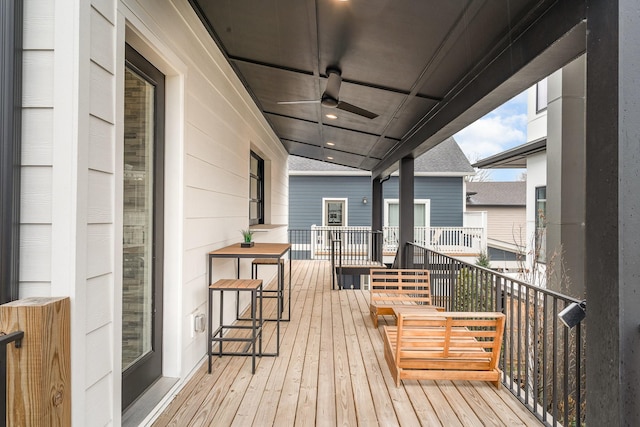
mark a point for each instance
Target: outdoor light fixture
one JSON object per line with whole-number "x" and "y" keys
{"x": 364, "y": 200}
{"x": 331, "y": 144}
{"x": 331, "y": 116}
{"x": 573, "y": 314}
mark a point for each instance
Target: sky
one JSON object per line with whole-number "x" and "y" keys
{"x": 503, "y": 128}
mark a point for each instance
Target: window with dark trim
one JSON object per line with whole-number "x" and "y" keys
{"x": 541, "y": 95}
{"x": 541, "y": 225}
{"x": 256, "y": 190}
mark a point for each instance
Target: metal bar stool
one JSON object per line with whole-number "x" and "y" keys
{"x": 254, "y": 339}
{"x": 274, "y": 293}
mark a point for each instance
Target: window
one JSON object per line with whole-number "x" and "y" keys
{"x": 334, "y": 212}
{"x": 541, "y": 95}
{"x": 256, "y": 190}
{"x": 421, "y": 213}
{"x": 541, "y": 224}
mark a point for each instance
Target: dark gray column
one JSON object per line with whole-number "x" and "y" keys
{"x": 406, "y": 212}
{"x": 10, "y": 139}
{"x": 377, "y": 207}
{"x": 613, "y": 213}
{"x": 566, "y": 179}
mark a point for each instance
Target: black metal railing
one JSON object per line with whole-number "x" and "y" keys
{"x": 354, "y": 252}
{"x": 542, "y": 360}
{"x": 345, "y": 248}
{"x": 5, "y": 340}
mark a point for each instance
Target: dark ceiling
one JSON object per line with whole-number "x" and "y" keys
{"x": 427, "y": 68}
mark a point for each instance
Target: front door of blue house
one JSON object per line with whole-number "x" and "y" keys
{"x": 143, "y": 225}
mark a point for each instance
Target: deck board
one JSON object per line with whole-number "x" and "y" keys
{"x": 331, "y": 371}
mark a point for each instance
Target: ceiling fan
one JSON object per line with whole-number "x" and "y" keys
{"x": 331, "y": 99}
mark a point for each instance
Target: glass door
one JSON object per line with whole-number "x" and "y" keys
{"x": 142, "y": 263}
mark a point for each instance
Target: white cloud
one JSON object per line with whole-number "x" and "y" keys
{"x": 503, "y": 128}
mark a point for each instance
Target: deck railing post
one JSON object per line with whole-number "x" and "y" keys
{"x": 39, "y": 372}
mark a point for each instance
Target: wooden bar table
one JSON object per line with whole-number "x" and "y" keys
{"x": 259, "y": 250}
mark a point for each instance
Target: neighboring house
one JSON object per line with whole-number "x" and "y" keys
{"x": 325, "y": 194}
{"x": 554, "y": 160}
{"x": 504, "y": 205}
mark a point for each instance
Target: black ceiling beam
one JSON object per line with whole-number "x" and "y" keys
{"x": 552, "y": 40}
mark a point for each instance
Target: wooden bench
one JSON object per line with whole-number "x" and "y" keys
{"x": 389, "y": 288}
{"x": 445, "y": 346}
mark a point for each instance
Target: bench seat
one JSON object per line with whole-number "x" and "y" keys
{"x": 445, "y": 346}
{"x": 390, "y": 288}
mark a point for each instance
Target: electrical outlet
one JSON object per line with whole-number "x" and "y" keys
{"x": 199, "y": 323}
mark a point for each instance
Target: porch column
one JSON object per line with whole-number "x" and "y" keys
{"x": 377, "y": 215}
{"x": 566, "y": 179}
{"x": 406, "y": 222}
{"x": 10, "y": 142}
{"x": 613, "y": 212}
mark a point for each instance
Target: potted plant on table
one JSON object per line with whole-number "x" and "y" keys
{"x": 247, "y": 236}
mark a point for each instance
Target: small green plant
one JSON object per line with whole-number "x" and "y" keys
{"x": 483, "y": 260}
{"x": 473, "y": 290}
{"x": 247, "y": 235}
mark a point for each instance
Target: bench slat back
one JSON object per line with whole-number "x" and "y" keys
{"x": 449, "y": 340}
{"x": 389, "y": 286}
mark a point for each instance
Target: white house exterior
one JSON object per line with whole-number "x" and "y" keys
{"x": 555, "y": 162}
{"x": 72, "y": 177}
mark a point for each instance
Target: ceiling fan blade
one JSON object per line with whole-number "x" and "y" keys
{"x": 310, "y": 101}
{"x": 345, "y": 106}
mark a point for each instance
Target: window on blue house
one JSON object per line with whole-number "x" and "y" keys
{"x": 421, "y": 213}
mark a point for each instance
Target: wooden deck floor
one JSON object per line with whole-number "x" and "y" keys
{"x": 331, "y": 371}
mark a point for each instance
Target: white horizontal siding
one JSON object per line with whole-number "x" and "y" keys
{"x": 106, "y": 8}
{"x": 35, "y": 289}
{"x": 102, "y": 42}
{"x": 35, "y": 253}
{"x": 99, "y": 302}
{"x": 37, "y": 136}
{"x": 38, "y": 24}
{"x": 100, "y": 198}
{"x": 506, "y": 224}
{"x": 37, "y": 75}
{"x": 35, "y": 195}
{"x": 201, "y": 203}
{"x": 102, "y": 93}
{"x": 99, "y": 249}
{"x": 101, "y": 364}
{"x": 101, "y": 145}
{"x": 98, "y": 404}
{"x": 37, "y": 148}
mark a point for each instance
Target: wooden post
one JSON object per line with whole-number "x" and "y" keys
{"x": 38, "y": 373}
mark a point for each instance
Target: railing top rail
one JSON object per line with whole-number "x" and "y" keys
{"x": 546, "y": 291}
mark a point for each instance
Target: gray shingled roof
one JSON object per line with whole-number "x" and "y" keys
{"x": 446, "y": 157}
{"x": 497, "y": 193}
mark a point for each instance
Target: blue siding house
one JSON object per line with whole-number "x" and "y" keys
{"x": 325, "y": 194}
